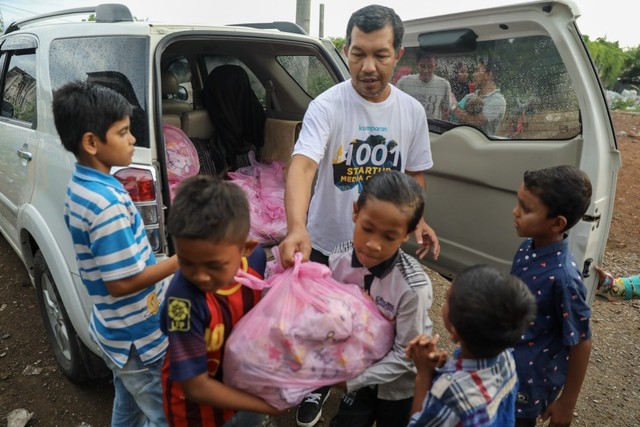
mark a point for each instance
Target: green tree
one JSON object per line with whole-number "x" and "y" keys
{"x": 338, "y": 42}
{"x": 609, "y": 59}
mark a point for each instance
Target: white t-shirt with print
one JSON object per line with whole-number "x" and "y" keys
{"x": 352, "y": 139}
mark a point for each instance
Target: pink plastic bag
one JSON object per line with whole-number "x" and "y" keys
{"x": 263, "y": 185}
{"x": 308, "y": 331}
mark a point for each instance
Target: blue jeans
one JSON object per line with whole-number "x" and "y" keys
{"x": 138, "y": 393}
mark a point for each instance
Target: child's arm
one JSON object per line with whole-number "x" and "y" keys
{"x": 425, "y": 355}
{"x": 147, "y": 277}
{"x": 205, "y": 390}
{"x": 561, "y": 410}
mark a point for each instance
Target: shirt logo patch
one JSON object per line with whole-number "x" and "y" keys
{"x": 153, "y": 303}
{"x": 179, "y": 311}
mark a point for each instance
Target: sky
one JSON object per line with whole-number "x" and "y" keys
{"x": 615, "y": 20}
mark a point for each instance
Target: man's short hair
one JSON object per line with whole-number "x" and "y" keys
{"x": 207, "y": 208}
{"x": 489, "y": 310}
{"x": 565, "y": 190}
{"x": 81, "y": 107}
{"x": 375, "y": 17}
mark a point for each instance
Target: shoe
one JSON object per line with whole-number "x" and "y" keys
{"x": 310, "y": 410}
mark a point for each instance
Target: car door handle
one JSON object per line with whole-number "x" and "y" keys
{"x": 26, "y": 155}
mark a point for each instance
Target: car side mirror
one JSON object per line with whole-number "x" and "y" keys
{"x": 182, "y": 94}
{"x": 7, "y": 109}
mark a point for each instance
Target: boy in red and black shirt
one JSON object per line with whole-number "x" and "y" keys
{"x": 209, "y": 223}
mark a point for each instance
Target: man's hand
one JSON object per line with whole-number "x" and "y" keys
{"x": 294, "y": 241}
{"x": 426, "y": 237}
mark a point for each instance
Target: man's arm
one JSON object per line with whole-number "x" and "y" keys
{"x": 561, "y": 410}
{"x": 147, "y": 277}
{"x": 297, "y": 195}
{"x": 425, "y": 235}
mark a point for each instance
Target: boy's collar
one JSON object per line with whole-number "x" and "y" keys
{"x": 379, "y": 270}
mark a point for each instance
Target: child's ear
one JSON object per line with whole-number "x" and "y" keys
{"x": 89, "y": 143}
{"x": 249, "y": 247}
{"x": 354, "y": 214}
{"x": 559, "y": 223}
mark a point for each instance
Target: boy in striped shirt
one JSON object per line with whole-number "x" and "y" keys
{"x": 115, "y": 259}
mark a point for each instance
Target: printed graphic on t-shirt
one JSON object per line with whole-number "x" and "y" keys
{"x": 363, "y": 159}
{"x": 179, "y": 314}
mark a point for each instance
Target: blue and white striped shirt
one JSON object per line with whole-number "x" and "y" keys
{"x": 111, "y": 244}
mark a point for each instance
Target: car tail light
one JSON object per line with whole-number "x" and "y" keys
{"x": 143, "y": 188}
{"x": 139, "y": 183}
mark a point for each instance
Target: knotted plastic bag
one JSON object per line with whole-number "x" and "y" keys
{"x": 308, "y": 331}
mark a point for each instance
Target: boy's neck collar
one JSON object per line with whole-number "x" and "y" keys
{"x": 549, "y": 240}
{"x": 379, "y": 270}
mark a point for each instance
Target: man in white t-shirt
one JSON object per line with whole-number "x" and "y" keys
{"x": 349, "y": 133}
{"x": 432, "y": 91}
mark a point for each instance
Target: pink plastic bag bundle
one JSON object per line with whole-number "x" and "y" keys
{"x": 263, "y": 185}
{"x": 308, "y": 331}
{"x": 182, "y": 157}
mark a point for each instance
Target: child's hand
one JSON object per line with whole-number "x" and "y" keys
{"x": 561, "y": 414}
{"x": 424, "y": 353}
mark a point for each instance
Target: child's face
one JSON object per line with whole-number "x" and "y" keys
{"x": 210, "y": 266}
{"x": 380, "y": 229}
{"x": 117, "y": 149}
{"x": 530, "y": 217}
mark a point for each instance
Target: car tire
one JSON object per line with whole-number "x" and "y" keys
{"x": 64, "y": 341}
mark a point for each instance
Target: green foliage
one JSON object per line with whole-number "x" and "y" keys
{"x": 608, "y": 58}
{"x": 338, "y": 42}
{"x": 625, "y": 104}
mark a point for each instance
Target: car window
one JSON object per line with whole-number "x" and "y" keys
{"x": 308, "y": 72}
{"x": 19, "y": 91}
{"x": 212, "y": 62}
{"x": 92, "y": 59}
{"x": 539, "y": 101}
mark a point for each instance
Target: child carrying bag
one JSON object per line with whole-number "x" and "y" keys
{"x": 306, "y": 332}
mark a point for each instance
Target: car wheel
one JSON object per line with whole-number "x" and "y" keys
{"x": 60, "y": 332}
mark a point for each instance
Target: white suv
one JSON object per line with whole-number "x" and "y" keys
{"x": 556, "y": 114}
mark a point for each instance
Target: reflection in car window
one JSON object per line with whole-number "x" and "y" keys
{"x": 180, "y": 67}
{"x": 92, "y": 59}
{"x": 541, "y": 103}
{"x": 19, "y": 92}
{"x": 310, "y": 74}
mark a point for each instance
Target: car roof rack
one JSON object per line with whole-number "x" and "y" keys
{"x": 104, "y": 13}
{"x": 285, "y": 26}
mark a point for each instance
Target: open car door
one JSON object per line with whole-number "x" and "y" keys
{"x": 556, "y": 113}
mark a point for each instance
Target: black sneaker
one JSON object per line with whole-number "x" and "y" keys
{"x": 310, "y": 410}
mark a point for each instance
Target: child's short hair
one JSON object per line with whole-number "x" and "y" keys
{"x": 564, "y": 190}
{"x": 489, "y": 310}
{"x": 397, "y": 188}
{"x": 81, "y": 107}
{"x": 208, "y": 208}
